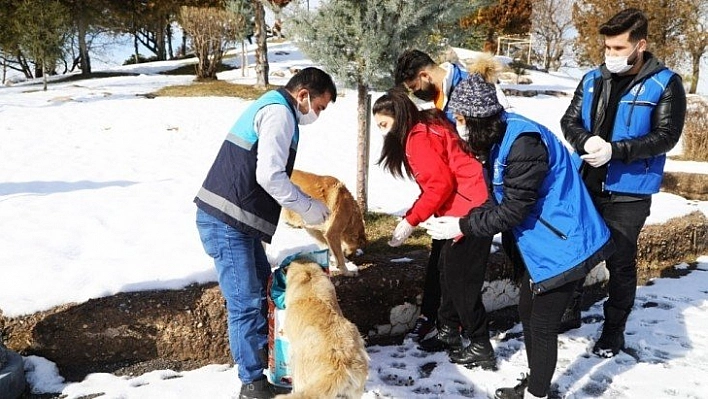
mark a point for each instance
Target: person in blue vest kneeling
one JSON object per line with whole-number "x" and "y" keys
{"x": 239, "y": 204}
{"x": 551, "y": 230}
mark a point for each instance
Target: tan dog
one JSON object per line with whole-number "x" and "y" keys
{"x": 327, "y": 355}
{"x": 343, "y": 232}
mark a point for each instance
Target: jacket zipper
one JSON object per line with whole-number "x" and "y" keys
{"x": 553, "y": 229}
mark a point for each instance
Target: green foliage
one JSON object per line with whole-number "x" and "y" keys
{"x": 42, "y": 28}
{"x": 359, "y": 40}
{"x": 141, "y": 59}
{"x": 245, "y": 9}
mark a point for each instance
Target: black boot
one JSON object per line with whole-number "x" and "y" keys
{"x": 258, "y": 389}
{"x": 611, "y": 340}
{"x": 479, "y": 353}
{"x": 447, "y": 338}
{"x": 516, "y": 392}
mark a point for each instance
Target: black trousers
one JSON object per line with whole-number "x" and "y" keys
{"x": 540, "y": 316}
{"x": 463, "y": 265}
{"x": 431, "y": 290}
{"x": 625, "y": 220}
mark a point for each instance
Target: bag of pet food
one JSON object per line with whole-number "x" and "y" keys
{"x": 278, "y": 350}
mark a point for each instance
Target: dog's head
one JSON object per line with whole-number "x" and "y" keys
{"x": 356, "y": 237}
{"x": 301, "y": 272}
{"x": 303, "y": 279}
{"x": 350, "y": 243}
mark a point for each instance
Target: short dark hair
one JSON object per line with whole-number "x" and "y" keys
{"x": 409, "y": 63}
{"x": 315, "y": 80}
{"x": 630, "y": 20}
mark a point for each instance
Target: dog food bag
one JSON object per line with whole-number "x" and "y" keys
{"x": 278, "y": 348}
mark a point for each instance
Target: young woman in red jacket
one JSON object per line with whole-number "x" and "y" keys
{"x": 424, "y": 145}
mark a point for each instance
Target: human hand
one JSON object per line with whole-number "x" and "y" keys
{"x": 444, "y": 227}
{"x": 402, "y": 231}
{"x": 598, "y": 151}
{"x": 317, "y": 213}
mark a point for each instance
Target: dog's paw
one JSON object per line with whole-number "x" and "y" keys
{"x": 349, "y": 269}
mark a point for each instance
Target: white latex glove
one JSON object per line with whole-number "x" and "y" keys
{"x": 401, "y": 233}
{"x": 598, "y": 151}
{"x": 317, "y": 213}
{"x": 444, "y": 228}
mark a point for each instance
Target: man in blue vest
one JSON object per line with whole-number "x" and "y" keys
{"x": 623, "y": 119}
{"x": 239, "y": 204}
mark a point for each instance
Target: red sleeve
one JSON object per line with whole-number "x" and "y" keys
{"x": 426, "y": 154}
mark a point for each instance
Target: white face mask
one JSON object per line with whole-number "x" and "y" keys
{"x": 462, "y": 131}
{"x": 618, "y": 63}
{"x": 309, "y": 117}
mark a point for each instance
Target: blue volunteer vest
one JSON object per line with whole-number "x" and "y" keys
{"x": 230, "y": 191}
{"x": 633, "y": 120}
{"x": 563, "y": 229}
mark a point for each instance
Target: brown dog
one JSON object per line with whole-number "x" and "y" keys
{"x": 343, "y": 232}
{"x": 327, "y": 355}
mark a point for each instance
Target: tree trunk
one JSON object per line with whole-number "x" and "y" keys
{"x": 83, "y": 48}
{"x": 261, "y": 45}
{"x": 244, "y": 58}
{"x": 696, "y": 62}
{"x": 170, "y": 53}
{"x": 135, "y": 47}
{"x": 362, "y": 168}
{"x": 160, "y": 42}
{"x": 44, "y": 76}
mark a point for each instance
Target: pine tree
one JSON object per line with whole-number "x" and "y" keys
{"x": 42, "y": 27}
{"x": 358, "y": 41}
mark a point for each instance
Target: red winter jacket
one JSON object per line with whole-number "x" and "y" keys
{"x": 451, "y": 181}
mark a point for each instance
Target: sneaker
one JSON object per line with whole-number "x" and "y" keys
{"x": 609, "y": 344}
{"x": 258, "y": 389}
{"x": 423, "y": 329}
{"x": 516, "y": 392}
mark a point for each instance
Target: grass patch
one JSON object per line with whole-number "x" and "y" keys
{"x": 215, "y": 88}
{"x": 379, "y": 228}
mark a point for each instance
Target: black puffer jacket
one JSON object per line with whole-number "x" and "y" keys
{"x": 527, "y": 166}
{"x": 667, "y": 117}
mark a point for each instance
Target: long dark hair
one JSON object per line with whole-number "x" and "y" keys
{"x": 396, "y": 104}
{"x": 484, "y": 132}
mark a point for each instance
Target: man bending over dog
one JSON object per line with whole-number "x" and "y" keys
{"x": 239, "y": 204}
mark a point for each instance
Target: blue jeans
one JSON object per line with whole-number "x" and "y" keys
{"x": 243, "y": 270}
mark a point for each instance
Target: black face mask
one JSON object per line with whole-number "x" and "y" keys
{"x": 427, "y": 94}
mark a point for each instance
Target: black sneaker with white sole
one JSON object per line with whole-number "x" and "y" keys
{"x": 424, "y": 329}
{"x": 609, "y": 344}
